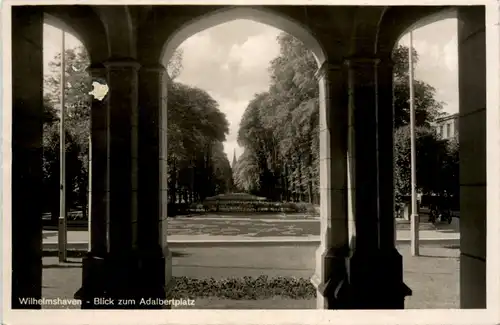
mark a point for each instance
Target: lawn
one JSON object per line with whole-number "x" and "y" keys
{"x": 433, "y": 277}
{"x": 250, "y": 224}
{"x": 234, "y": 227}
{"x": 252, "y": 227}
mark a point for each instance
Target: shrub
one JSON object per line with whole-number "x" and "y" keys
{"x": 245, "y": 288}
{"x": 305, "y": 207}
{"x": 241, "y": 206}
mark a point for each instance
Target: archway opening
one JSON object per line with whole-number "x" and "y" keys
{"x": 443, "y": 150}
{"x": 258, "y": 83}
{"x": 77, "y": 115}
{"x": 73, "y": 203}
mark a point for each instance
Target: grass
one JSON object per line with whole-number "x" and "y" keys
{"x": 254, "y": 228}
{"x": 251, "y": 225}
{"x": 433, "y": 277}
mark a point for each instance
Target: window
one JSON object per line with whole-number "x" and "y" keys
{"x": 448, "y": 130}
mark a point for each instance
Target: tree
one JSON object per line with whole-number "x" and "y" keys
{"x": 174, "y": 65}
{"x": 427, "y": 108}
{"x": 197, "y": 164}
{"x": 450, "y": 173}
{"x": 431, "y": 155}
{"x": 78, "y": 103}
{"x": 246, "y": 173}
{"x": 437, "y": 162}
{"x": 51, "y": 168}
{"x": 279, "y": 129}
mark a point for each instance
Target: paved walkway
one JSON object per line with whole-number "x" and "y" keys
{"x": 83, "y": 237}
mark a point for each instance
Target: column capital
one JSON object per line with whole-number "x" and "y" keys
{"x": 156, "y": 67}
{"x": 386, "y": 62}
{"x": 361, "y": 61}
{"x": 122, "y": 63}
{"x": 96, "y": 70}
{"x": 385, "y": 73}
{"x": 325, "y": 68}
{"x": 364, "y": 61}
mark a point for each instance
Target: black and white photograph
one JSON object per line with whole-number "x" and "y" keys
{"x": 250, "y": 156}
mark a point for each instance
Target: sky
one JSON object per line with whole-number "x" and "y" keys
{"x": 230, "y": 61}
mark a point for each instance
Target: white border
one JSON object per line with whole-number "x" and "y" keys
{"x": 466, "y": 317}
{"x": 492, "y": 23}
{"x": 251, "y": 2}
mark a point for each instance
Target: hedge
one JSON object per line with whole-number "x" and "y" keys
{"x": 240, "y": 206}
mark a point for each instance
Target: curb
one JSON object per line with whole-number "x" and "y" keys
{"x": 83, "y": 246}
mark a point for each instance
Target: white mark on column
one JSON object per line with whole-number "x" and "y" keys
{"x": 99, "y": 90}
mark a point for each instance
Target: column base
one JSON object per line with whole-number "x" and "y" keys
{"x": 472, "y": 282}
{"x": 376, "y": 280}
{"x": 330, "y": 278}
{"x": 125, "y": 281}
{"x": 365, "y": 280}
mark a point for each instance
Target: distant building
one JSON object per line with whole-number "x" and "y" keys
{"x": 233, "y": 187}
{"x": 447, "y": 126}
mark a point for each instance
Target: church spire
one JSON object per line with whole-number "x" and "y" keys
{"x": 234, "y": 159}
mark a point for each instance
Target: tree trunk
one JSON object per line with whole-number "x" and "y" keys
{"x": 301, "y": 188}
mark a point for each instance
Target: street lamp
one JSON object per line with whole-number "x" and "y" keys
{"x": 62, "y": 222}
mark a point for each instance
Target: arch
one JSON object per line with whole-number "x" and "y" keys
{"x": 449, "y": 13}
{"x": 82, "y": 23}
{"x": 264, "y": 16}
{"x": 397, "y": 21}
{"x": 119, "y": 27}
{"x": 59, "y": 24}
{"x": 364, "y": 33}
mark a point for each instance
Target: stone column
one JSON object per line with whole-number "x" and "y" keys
{"x": 152, "y": 223}
{"x": 472, "y": 138}
{"x": 98, "y": 167}
{"x": 363, "y": 157}
{"x": 93, "y": 262}
{"x": 27, "y": 134}
{"x": 375, "y": 266}
{"x": 123, "y": 155}
{"x": 385, "y": 153}
{"x": 391, "y": 259}
{"x": 116, "y": 272}
{"x": 330, "y": 275}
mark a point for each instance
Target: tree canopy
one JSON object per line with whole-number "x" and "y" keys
{"x": 197, "y": 164}
{"x": 279, "y": 129}
{"x": 77, "y": 122}
{"x": 427, "y": 108}
{"x": 437, "y": 159}
{"x": 196, "y": 129}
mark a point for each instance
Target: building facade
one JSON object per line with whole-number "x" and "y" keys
{"x": 447, "y": 126}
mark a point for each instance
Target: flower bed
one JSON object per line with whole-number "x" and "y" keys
{"x": 245, "y": 288}
{"x": 249, "y": 206}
